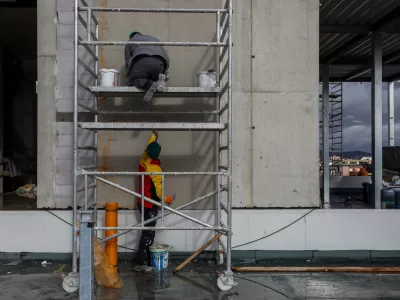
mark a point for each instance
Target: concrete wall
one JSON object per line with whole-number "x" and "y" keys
{"x": 275, "y": 145}
{"x": 276, "y": 103}
{"x": 341, "y": 230}
{"x": 47, "y": 50}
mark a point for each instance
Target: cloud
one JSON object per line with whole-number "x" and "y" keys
{"x": 357, "y": 116}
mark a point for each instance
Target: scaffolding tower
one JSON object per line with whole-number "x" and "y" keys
{"x": 87, "y": 175}
{"x": 335, "y": 128}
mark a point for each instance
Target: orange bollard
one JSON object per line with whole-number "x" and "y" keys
{"x": 111, "y": 220}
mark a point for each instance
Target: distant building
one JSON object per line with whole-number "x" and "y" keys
{"x": 366, "y": 158}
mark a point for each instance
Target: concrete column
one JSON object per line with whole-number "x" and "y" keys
{"x": 46, "y": 89}
{"x": 242, "y": 105}
{"x": 376, "y": 110}
{"x": 391, "y": 114}
{"x": 325, "y": 131}
{"x": 285, "y": 113}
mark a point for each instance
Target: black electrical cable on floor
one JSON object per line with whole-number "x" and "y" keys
{"x": 271, "y": 234}
{"x": 66, "y": 222}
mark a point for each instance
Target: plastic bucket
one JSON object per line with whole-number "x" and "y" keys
{"x": 207, "y": 79}
{"x": 109, "y": 77}
{"x": 159, "y": 257}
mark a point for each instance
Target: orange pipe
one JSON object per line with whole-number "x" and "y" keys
{"x": 111, "y": 220}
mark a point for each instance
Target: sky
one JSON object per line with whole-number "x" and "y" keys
{"x": 357, "y": 116}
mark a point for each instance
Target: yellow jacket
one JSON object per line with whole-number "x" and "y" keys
{"x": 152, "y": 183}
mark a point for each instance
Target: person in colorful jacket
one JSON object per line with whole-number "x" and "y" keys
{"x": 152, "y": 184}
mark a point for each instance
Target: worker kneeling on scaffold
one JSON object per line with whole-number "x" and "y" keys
{"x": 146, "y": 66}
{"x": 149, "y": 162}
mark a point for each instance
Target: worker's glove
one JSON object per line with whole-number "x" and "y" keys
{"x": 169, "y": 199}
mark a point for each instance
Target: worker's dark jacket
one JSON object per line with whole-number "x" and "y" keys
{"x": 134, "y": 52}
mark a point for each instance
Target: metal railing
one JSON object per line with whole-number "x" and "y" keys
{"x": 85, "y": 16}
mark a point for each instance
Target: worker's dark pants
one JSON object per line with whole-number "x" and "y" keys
{"x": 147, "y": 238}
{"x": 145, "y": 72}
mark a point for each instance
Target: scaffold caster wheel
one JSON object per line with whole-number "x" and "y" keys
{"x": 221, "y": 259}
{"x": 222, "y": 283}
{"x": 71, "y": 283}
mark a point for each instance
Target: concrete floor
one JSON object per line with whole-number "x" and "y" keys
{"x": 30, "y": 280}
{"x": 346, "y": 201}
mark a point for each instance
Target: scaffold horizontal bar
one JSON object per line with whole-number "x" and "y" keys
{"x": 155, "y": 10}
{"x": 161, "y": 228}
{"x": 91, "y": 173}
{"x": 104, "y": 112}
{"x": 168, "y": 92}
{"x": 171, "y": 44}
{"x": 153, "y": 126}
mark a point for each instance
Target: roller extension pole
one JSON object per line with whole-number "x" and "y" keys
{"x": 194, "y": 255}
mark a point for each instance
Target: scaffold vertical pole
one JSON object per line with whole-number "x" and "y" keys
{"x": 376, "y": 109}
{"x": 75, "y": 142}
{"x": 391, "y": 114}
{"x": 230, "y": 132}
{"x": 86, "y": 251}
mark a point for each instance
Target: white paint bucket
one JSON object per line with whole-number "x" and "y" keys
{"x": 109, "y": 77}
{"x": 207, "y": 79}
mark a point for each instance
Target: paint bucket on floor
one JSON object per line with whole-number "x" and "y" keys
{"x": 159, "y": 256}
{"x": 109, "y": 77}
{"x": 207, "y": 79}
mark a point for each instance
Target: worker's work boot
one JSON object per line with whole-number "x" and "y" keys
{"x": 150, "y": 92}
{"x": 162, "y": 80}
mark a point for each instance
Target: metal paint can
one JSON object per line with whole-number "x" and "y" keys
{"x": 159, "y": 257}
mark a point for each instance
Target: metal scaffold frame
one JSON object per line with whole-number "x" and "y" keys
{"x": 85, "y": 16}
{"x": 334, "y": 111}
